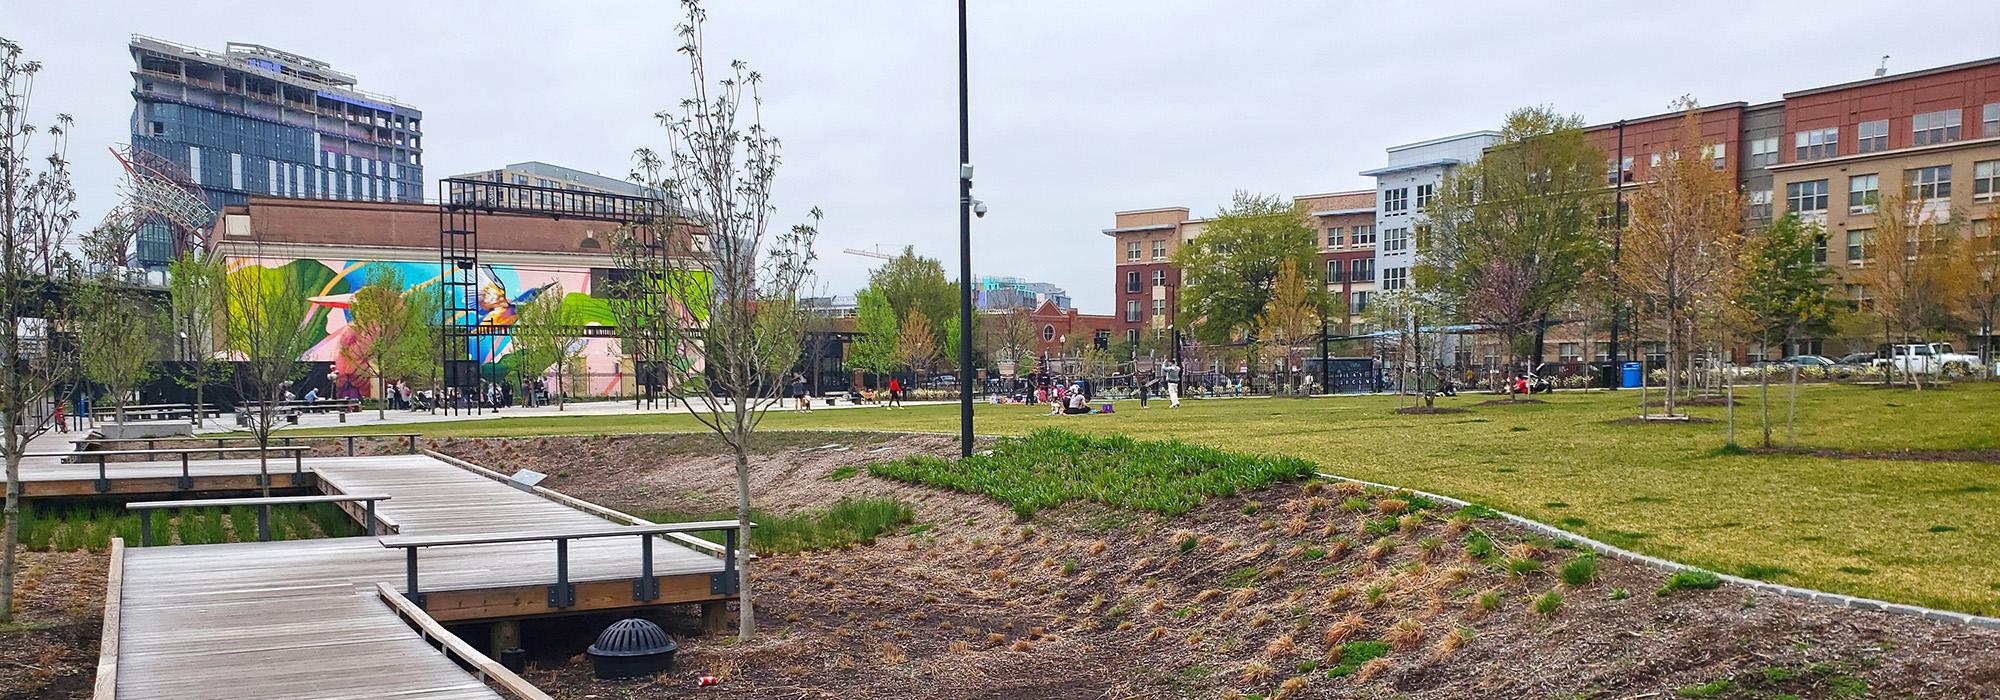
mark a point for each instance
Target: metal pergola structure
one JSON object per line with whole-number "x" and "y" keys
{"x": 465, "y": 337}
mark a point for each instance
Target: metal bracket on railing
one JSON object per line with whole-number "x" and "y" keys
{"x": 187, "y": 480}
{"x": 410, "y": 577}
{"x": 298, "y": 469}
{"x": 647, "y": 588}
{"x": 726, "y": 583}
{"x": 103, "y": 482}
{"x": 562, "y": 595}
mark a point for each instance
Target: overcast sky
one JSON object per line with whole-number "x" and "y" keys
{"x": 1080, "y": 109}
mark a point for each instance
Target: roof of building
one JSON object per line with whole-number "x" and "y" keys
{"x": 1981, "y": 63}
{"x": 1443, "y": 139}
{"x": 1419, "y": 165}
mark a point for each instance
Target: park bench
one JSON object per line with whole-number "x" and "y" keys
{"x": 291, "y": 409}
{"x": 263, "y": 505}
{"x": 160, "y": 411}
{"x": 187, "y": 480}
{"x": 563, "y": 593}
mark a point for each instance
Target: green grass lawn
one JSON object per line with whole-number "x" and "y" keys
{"x": 1904, "y": 530}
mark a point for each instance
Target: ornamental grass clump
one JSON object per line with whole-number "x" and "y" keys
{"x": 1050, "y": 467}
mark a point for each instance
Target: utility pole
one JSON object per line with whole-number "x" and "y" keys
{"x": 1617, "y": 235}
{"x": 964, "y": 252}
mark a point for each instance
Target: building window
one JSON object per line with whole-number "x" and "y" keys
{"x": 1715, "y": 154}
{"x": 1424, "y": 195}
{"x": 1872, "y": 136}
{"x": 1160, "y": 249}
{"x": 1159, "y": 278}
{"x": 1335, "y": 236}
{"x": 1989, "y": 123}
{"x": 1760, "y": 205}
{"x": 1935, "y": 127}
{"x": 1131, "y": 250}
{"x": 1569, "y": 352}
{"x": 1132, "y": 282}
{"x": 1363, "y": 270}
{"x": 1862, "y": 193}
{"x": 1395, "y": 239}
{"x": 1929, "y": 183}
{"x": 1395, "y": 278}
{"x": 1617, "y": 171}
{"x": 1985, "y": 179}
{"x": 1857, "y": 296}
{"x": 1819, "y": 247}
{"x": 1159, "y": 308}
{"x": 1857, "y": 247}
{"x": 1335, "y": 271}
{"x": 1132, "y": 310}
{"x": 1805, "y": 197}
{"x": 1102, "y": 338}
{"x": 1132, "y": 336}
{"x": 1396, "y": 201}
{"x": 1818, "y": 143}
{"x": 1763, "y": 152}
{"x": 1048, "y": 333}
{"x": 1364, "y": 234}
{"x": 1360, "y": 302}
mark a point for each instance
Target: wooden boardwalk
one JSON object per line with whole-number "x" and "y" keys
{"x": 303, "y": 619}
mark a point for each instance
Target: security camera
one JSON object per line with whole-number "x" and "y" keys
{"x": 979, "y": 209}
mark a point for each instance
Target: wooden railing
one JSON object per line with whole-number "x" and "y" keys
{"x": 684, "y": 539}
{"x": 482, "y": 666}
{"x": 187, "y": 480}
{"x": 563, "y": 593}
{"x": 287, "y": 440}
{"x": 108, "y": 639}
{"x": 263, "y": 505}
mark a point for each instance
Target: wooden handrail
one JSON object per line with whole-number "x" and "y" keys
{"x": 107, "y": 644}
{"x": 288, "y": 435}
{"x": 168, "y": 451}
{"x": 270, "y": 501}
{"x": 571, "y": 533}
{"x": 711, "y": 548}
{"x": 483, "y": 667}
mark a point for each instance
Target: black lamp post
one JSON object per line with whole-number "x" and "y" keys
{"x": 964, "y": 252}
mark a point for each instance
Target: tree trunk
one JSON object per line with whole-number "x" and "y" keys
{"x": 1792, "y": 411}
{"x": 1729, "y": 404}
{"x": 1764, "y": 395}
{"x": 381, "y": 397}
{"x": 745, "y": 621}
{"x": 15, "y": 446}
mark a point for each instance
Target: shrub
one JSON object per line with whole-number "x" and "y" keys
{"x": 843, "y": 473}
{"x": 1522, "y": 566}
{"x": 1489, "y": 601}
{"x": 1690, "y": 579}
{"x": 1052, "y": 467}
{"x": 1354, "y": 504}
{"x": 1579, "y": 571}
{"x": 1549, "y": 603}
{"x": 1714, "y": 688}
{"x": 1478, "y": 545}
{"x": 1312, "y": 554}
{"x": 1352, "y": 656}
{"x": 1378, "y": 527}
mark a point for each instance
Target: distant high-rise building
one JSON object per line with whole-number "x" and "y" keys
{"x": 997, "y": 293}
{"x": 546, "y": 176}
{"x": 256, "y": 120}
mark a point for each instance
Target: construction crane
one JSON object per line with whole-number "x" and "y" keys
{"x": 876, "y": 253}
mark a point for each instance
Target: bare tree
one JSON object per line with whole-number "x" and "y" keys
{"x": 268, "y": 329}
{"x": 37, "y": 214}
{"x": 1909, "y": 272}
{"x": 545, "y": 338}
{"x": 720, "y": 288}
{"x": 1680, "y": 253}
{"x": 916, "y": 345}
{"x": 1293, "y": 315}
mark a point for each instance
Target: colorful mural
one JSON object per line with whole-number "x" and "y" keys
{"x": 331, "y": 285}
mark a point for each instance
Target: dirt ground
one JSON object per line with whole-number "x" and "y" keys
{"x": 51, "y": 652}
{"x": 1089, "y": 602}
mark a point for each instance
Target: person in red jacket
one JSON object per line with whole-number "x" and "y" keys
{"x": 895, "y": 393}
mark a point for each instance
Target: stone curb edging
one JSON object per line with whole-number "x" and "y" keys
{"x": 1835, "y": 599}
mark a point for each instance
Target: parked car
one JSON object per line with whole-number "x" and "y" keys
{"x": 1925, "y": 358}
{"x": 1857, "y": 359}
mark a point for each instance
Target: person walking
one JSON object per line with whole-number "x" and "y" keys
{"x": 895, "y": 393}
{"x": 798, "y": 392}
{"x": 1144, "y": 380}
{"x": 62, "y": 419}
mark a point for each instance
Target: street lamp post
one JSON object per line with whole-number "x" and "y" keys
{"x": 964, "y": 252}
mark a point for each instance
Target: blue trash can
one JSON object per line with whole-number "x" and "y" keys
{"x": 1630, "y": 376}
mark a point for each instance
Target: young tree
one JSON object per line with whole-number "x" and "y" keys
{"x": 916, "y": 346}
{"x": 384, "y": 318}
{"x": 1784, "y": 295}
{"x": 1416, "y": 314}
{"x": 874, "y": 350}
{"x": 1975, "y": 277}
{"x": 37, "y": 216}
{"x": 269, "y": 328}
{"x": 1295, "y": 311}
{"x": 117, "y": 337}
{"x": 732, "y": 290}
{"x": 1910, "y": 253}
{"x": 1680, "y": 252}
{"x": 545, "y": 338}
{"x": 1510, "y": 238}
{"x": 194, "y": 301}
{"x": 1227, "y": 273}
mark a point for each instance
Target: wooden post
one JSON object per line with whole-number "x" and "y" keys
{"x": 504, "y": 635}
{"x": 715, "y": 617}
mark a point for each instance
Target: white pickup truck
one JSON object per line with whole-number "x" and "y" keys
{"x": 1924, "y": 358}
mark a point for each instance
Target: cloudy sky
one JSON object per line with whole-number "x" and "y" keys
{"x": 1080, "y": 109}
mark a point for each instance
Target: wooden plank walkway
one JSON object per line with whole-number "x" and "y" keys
{"x": 303, "y": 619}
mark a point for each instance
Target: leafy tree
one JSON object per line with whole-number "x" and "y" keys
{"x": 1975, "y": 276}
{"x": 911, "y": 281}
{"x": 269, "y": 328}
{"x": 1681, "y": 252}
{"x": 195, "y": 306}
{"x": 1510, "y": 238}
{"x": 1786, "y": 293}
{"x": 1416, "y": 314}
{"x": 721, "y": 289}
{"x": 545, "y": 338}
{"x": 1296, "y": 310}
{"x": 37, "y": 217}
{"x": 1911, "y": 291}
{"x": 916, "y": 347}
{"x": 1229, "y": 271}
{"x": 386, "y": 331}
{"x": 874, "y": 349}
{"x": 118, "y": 335}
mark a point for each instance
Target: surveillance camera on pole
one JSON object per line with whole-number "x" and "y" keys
{"x": 979, "y": 209}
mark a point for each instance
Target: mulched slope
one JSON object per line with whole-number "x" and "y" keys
{"x": 1087, "y": 602}
{"x": 52, "y": 652}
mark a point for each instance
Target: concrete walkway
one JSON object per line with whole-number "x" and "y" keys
{"x": 227, "y": 423}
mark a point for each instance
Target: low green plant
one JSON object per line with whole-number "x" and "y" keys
{"x": 1779, "y": 674}
{"x": 1579, "y": 571}
{"x": 1489, "y": 601}
{"x": 1522, "y": 566}
{"x": 1379, "y": 526}
{"x": 1240, "y": 578}
{"x": 1846, "y": 687}
{"x": 1620, "y": 594}
{"x": 1250, "y": 508}
{"x": 1762, "y": 572}
{"x": 1354, "y": 504}
{"x": 1479, "y": 545}
{"x": 843, "y": 472}
{"x": 849, "y": 521}
{"x": 1711, "y": 689}
{"x": 1689, "y": 579}
{"x": 1549, "y": 603}
{"x": 1354, "y": 654}
{"x": 1431, "y": 544}
{"x": 1312, "y": 554}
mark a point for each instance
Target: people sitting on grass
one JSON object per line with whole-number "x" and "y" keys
{"x": 1078, "y": 402}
